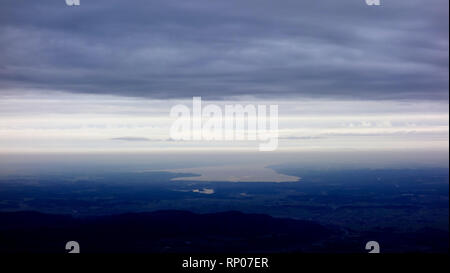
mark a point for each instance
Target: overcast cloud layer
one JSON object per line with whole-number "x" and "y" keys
{"x": 222, "y": 48}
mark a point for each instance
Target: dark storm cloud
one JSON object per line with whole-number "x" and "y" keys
{"x": 219, "y": 48}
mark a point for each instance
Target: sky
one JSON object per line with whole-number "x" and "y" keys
{"x": 103, "y": 76}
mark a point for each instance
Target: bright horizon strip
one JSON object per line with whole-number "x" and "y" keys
{"x": 65, "y": 122}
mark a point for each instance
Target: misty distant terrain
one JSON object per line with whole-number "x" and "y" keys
{"x": 404, "y": 209}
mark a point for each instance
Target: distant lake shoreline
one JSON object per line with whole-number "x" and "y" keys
{"x": 234, "y": 173}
